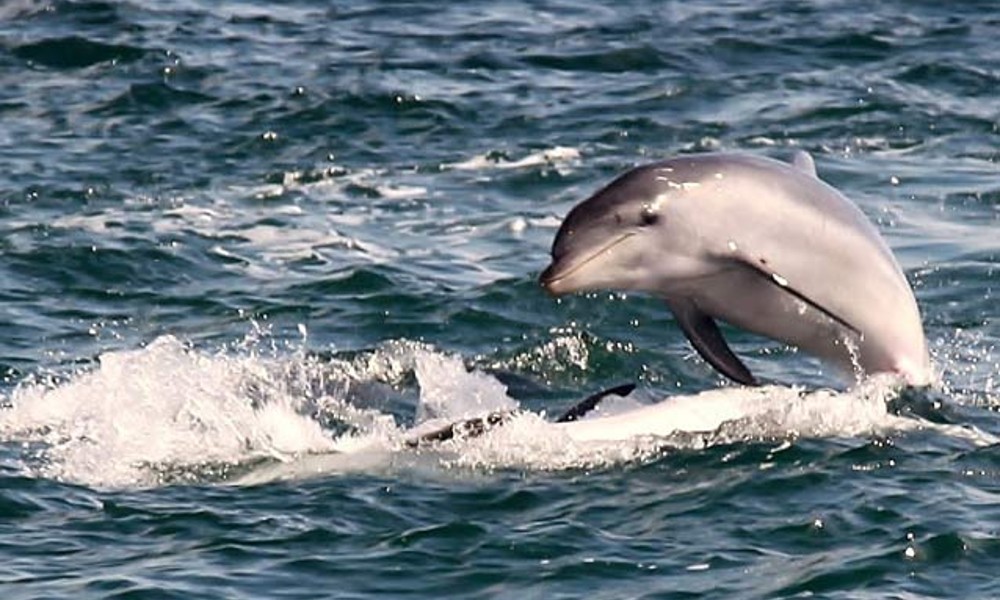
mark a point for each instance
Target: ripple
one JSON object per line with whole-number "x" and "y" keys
{"x": 150, "y": 98}
{"x": 622, "y": 60}
{"x": 963, "y": 80}
{"x": 207, "y": 207}
{"x": 76, "y": 52}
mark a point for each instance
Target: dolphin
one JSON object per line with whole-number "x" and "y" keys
{"x": 762, "y": 245}
{"x": 477, "y": 426}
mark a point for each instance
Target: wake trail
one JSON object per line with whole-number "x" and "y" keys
{"x": 169, "y": 413}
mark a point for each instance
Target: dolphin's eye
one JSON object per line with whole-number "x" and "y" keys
{"x": 648, "y": 215}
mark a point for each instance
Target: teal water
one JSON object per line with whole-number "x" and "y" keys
{"x": 245, "y": 248}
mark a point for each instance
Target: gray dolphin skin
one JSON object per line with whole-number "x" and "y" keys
{"x": 763, "y": 245}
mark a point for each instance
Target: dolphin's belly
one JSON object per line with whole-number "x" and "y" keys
{"x": 747, "y": 299}
{"x": 812, "y": 240}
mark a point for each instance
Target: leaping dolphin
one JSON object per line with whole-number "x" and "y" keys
{"x": 763, "y": 245}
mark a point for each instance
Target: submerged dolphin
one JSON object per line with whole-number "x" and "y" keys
{"x": 760, "y": 244}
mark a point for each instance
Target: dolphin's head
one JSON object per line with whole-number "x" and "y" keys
{"x": 624, "y": 237}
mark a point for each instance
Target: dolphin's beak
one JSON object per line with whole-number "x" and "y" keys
{"x": 567, "y": 274}
{"x": 550, "y": 279}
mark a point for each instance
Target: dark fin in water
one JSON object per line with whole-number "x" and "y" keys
{"x": 706, "y": 338}
{"x": 477, "y": 426}
{"x": 468, "y": 428}
{"x": 590, "y": 402}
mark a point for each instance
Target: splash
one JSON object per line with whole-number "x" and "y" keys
{"x": 448, "y": 391}
{"x": 626, "y": 431}
{"x": 553, "y": 157}
{"x": 168, "y": 412}
{"x": 973, "y": 376}
{"x": 160, "y": 406}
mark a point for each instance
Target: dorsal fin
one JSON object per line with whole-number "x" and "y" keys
{"x": 589, "y": 403}
{"x": 804, "y": 162}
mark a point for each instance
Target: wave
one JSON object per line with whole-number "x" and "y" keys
{"x": 74, "y": 52}
{"x": 169, "y": 413}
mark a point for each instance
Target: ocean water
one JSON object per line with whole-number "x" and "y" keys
{"x": 248, "y": 248}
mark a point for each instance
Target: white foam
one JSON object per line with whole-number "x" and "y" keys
{"x": 342, "y": 217}
{"x": 88, "y": 223}
{"x": 768, "y": 411}
{"x": 155, "y": 408}
{"x": 141, "y": 417}
{"x": 551, "y": 156}
{"x": 722, "y": 416}
{"x": 549, "y": 222}
{"x": 17, "y": 9}
{"x": 449, "y": 391}
{"x": 401, "y": 192}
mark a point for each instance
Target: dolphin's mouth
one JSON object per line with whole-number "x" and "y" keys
{"x": 553, "y": 278}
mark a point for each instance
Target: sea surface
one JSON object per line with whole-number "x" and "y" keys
{"x": 247, "y": 247}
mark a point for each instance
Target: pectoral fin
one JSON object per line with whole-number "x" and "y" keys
{"x": 703, "y": 333}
